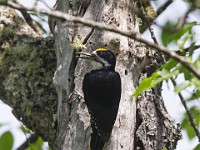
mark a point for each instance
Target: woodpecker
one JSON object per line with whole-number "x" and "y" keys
{"x": 102, "y": 93}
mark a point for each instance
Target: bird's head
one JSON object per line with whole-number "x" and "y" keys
{"x": 101, "y": 58}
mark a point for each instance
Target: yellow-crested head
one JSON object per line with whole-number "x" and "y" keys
{"x": 101, "y": 49}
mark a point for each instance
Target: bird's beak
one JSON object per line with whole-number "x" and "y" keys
{"x": 86, "y": 55}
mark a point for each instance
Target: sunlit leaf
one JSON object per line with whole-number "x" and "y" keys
{"x": 154, "y": 80}
{"x": 170, "y": 33}
{"x": 187, "y": 74}
{"x": 195, "y": 82}
{"x": 195, "y": 95}
{"x": 197, "y": 63}
{"x": 192, "y": 47}
{"x": 6, "y": 141}
{"x": 165, "y": 74}
{"x": 24, "y": 129}
{"x": 182, "y": 86}
{"x": 164, "y": 148}
{"x": 37, "y": 145}
{"x": 170, "y": 64}
{"x": 183, "y": 40}
{"x": 186, "y": 124}
{"x": 167, "y": 32}
{"x": 197, "y": 147}
{"x": 145, "y": 84}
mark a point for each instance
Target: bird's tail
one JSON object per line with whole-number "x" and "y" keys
{"x": 96, "y": 142}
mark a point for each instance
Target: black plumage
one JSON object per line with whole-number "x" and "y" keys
{"x": 102, "y": 93}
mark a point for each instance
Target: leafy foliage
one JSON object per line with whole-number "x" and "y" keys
{"x": 37, "y": 145}
{"x": 186, "y": 125}
{"x": 182, "y": 37}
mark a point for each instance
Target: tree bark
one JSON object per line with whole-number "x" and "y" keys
{"x": 28, "y": 63}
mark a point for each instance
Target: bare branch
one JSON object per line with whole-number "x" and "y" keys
{"x": 101, "y": 26}
{"x": 182, "y": 20}
{"x": 164, "y": 7}
{"x": 191, "y": 119}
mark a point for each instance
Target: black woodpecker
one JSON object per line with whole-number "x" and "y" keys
{"x": 102, "y": 93}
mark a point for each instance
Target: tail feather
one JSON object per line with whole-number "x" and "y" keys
{"x": 96, "y": 142}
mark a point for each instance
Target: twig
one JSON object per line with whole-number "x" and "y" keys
{"x": 30, "y": 140}
{"x": 159, "y": 11}
{"x": 191, "y": 119}
{"x": 101, "y": 26}
{"x": 151, "y": 31}
{"x": 182, "y": 20}
{"x": 179, "y": 25}
{"x": 42, "y": 1}
{"x": 29, "y": 20}
{"x": 163, "y": 7}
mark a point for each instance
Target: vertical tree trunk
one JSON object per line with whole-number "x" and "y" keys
{"x": 142, "y": 123}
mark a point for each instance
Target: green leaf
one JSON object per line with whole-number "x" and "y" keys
{"x": 25, "y": 129}
{"x": 195, "y": 95}
{"x": 145, "y": 84}
{"x": 189, "y": 130}
{"x": 186, "y": 28}
{"x": 183, "y": 40}
{"x": 6, "y": 141}
{"x": 195, "y": 113}
{"x": 170, "y": 64}
{"x": 195, "y": 82}
{"x": 154, "y": 80}
{"x": 197, "y": 147}
{"x": 165, "y": 74}
{"x": 170, "y": 34}
{"x": 164, "y": 148}
{"x": 192, "y": 48}
{"x": 49, "y": 148}
{"x": 187, "y": 74}
{"x": 182, "y": 86}
{"x": 197, "y": 64}
{"x": 37, "y": 145}
{"x": 186, "y": 124}
{"x": 166, "y": 33}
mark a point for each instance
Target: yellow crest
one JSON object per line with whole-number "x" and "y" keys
{"x": 101, "y": 49}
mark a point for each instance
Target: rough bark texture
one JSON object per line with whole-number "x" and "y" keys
{"x": 155, "y": 130}
{"x": 27, "y": 64}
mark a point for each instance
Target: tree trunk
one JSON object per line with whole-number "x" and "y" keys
{"x": 142, "y": 122}
{"x": 27, "y": 65}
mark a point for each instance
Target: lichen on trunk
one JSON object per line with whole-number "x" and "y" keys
{"x": 27, "y": 63}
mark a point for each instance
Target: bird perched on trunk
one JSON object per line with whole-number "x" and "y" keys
{"x": 102, "y": 93}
